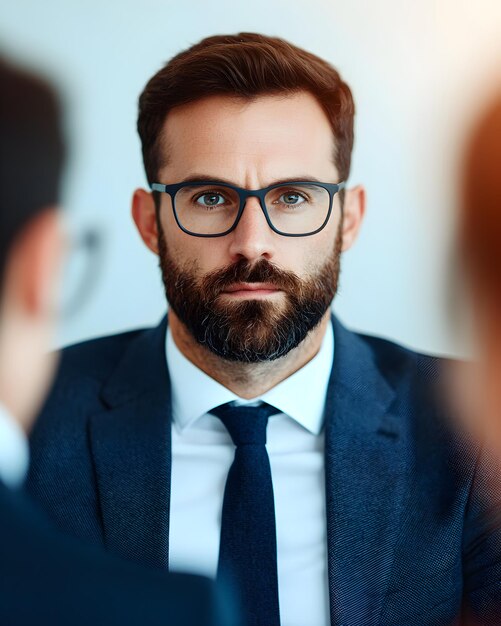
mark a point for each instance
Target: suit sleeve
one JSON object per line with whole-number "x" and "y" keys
{"x": 48, "y": 578}
{"x": 482, "y": 545}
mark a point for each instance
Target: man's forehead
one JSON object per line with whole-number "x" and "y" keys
{"x": 288, "y": 128}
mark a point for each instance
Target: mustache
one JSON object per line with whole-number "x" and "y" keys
{"x": 243, "y": 272}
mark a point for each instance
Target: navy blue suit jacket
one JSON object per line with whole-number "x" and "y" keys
{"x": 49, "y": 579}
{"x": 411, "y": 539}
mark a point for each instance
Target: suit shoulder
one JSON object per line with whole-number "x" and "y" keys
{"x": 83, "y": 369}
{"x": 394, "y": 359}
{"x": 93, "y": 359}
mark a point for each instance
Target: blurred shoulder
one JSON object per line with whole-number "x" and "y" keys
{"x": 85, "y": 367}
{"x": 395, "y": 357}
{"x": 96, "y": 357}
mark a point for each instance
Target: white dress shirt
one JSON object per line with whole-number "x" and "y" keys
{"x": 202, "y": 452}
{"x": 14, "y": 451}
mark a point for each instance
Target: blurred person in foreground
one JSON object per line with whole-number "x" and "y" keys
{"x": 250, "y": 435}
{"x": 45, "y": 577}
{"x": 480, "y": 258}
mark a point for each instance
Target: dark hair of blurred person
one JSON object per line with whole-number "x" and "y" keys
{"x": 31, "y": 238}
{"x": 31, "y": 152}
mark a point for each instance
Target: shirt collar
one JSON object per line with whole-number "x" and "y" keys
{"x": 14, "y": 454}
{"x": 194, "y": 393}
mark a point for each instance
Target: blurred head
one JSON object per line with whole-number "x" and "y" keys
{"x": 480, "y": 253}
{"x": 252, "y": 111}
{"x": 31, "y": 158}
{"x": 480, "y": 234}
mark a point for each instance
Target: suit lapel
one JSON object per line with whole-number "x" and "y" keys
{"x": 131, "y": 448}
{"x": 364, "y": 452}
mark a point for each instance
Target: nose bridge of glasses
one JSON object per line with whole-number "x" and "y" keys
{"x": 252, "y": 226}
{"x": 257, "y": 194}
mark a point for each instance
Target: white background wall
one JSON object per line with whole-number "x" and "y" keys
{"x": 417, "y": 71}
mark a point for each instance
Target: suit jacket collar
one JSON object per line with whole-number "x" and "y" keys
{"x": 142, "y": 369}
{"x": 364, "y": 485}
{"x": 131, "y": 446}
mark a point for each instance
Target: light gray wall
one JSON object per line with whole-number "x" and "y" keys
{"x": 417, "y": 70}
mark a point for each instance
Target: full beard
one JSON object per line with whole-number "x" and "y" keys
{"x": 253, "y": 330}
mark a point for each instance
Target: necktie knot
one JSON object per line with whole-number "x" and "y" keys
{"x": 245, "y": 424}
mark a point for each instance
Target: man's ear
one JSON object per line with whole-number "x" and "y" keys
{"x": 144, "y": 216}
{"x": 34, "y": 264}
{"x": 353, "y": 214}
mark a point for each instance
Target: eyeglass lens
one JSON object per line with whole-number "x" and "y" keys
{"x": 211, "y": 210}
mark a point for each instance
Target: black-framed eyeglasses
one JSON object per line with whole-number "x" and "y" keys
{"x": 213, "y": 209}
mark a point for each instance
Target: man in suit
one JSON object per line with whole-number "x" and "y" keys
{"x": 250, "y": 436}
{"x": 45, "y": 577}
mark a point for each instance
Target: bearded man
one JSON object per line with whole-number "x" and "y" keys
{"x": 250, "y": 436}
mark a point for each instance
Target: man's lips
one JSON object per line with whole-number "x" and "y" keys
{"x": 251, "y": 289}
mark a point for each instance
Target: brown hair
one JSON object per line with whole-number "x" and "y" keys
{"x": 244, "y": 65}
{"x": 32, "y": 151}
{"x": 480, "y": 223}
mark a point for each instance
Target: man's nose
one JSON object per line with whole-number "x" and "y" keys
{"x": 253, "y": 237}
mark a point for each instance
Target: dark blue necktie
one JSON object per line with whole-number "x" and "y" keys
{"x": 248, "y": 549}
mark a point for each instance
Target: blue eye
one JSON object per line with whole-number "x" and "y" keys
{"x": 210, "y": 199}
{"x": 292, "y": 198}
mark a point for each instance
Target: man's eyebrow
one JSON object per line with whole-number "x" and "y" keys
{"x": 204, "y": 178}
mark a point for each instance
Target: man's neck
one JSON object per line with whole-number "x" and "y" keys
{"x": 247, "y": 380}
